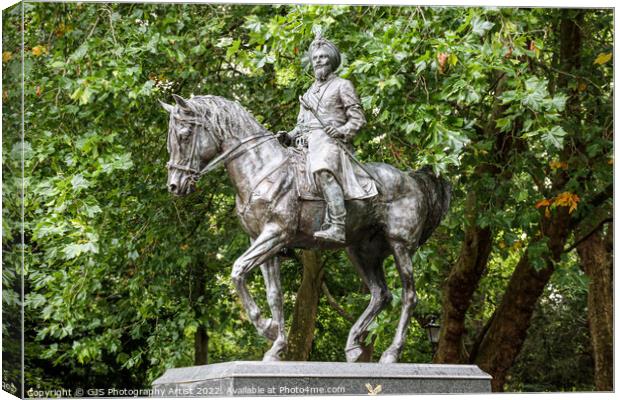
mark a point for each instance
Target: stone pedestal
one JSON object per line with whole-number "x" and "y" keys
{"x": 288, "y": 378}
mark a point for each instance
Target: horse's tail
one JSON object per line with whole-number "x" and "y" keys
{"x": 437, "y": 193}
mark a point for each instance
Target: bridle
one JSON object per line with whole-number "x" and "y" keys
{"x": 225, "y": 157}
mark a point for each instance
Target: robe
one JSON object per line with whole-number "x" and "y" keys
{"x": 337, "y": 104}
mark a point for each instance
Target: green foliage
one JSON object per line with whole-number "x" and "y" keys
{"x": 120, "y": 275}
{"x": 563, "y": 304}
{"x": 12, "y": 277}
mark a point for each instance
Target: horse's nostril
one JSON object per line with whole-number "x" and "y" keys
{"x": 172, "y": 187}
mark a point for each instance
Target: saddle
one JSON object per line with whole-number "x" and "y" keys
{"x": 278, "y": 181}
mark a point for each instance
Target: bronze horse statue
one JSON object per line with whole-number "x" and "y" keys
{"x": 206, "y": 131}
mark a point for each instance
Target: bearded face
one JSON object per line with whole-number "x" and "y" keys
{"x": 321, "y": 73}
{"x": 321, "y": 63}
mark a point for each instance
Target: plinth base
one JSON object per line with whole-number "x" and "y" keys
{"x": 289, "y": 378}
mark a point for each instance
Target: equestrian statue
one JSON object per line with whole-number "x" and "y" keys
{"x": 311, "y": 195}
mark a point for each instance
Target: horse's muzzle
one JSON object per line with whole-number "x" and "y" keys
{"x": 185, "y": 186}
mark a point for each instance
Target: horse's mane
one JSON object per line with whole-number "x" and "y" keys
{"x": 223, "y": 117}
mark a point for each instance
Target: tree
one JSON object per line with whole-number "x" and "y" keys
{"x": 124, "y": 281}
{"x": 504, "y": 337}
{"x": 595, "y": 254}
{"x": 303, "y": 322}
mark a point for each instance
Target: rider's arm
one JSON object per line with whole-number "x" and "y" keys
{"x": 353, "y": 110}
{"x": 300, "y": 120}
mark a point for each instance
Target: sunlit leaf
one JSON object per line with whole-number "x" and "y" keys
{"x": 480, "y": 26}
{"x": 603, "y": 58}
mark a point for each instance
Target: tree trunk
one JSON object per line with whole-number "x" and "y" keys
{"x": 465, "y": 275}
{"x": 460, "y": 285}
{"x": 507, "y": 331}
{"x": 504, "y": 338}
{"x": 597, "y": 263}
{"x": 197, "y": 296}
{"x": 301, "y": 333}
{"x": 201, "y": 346}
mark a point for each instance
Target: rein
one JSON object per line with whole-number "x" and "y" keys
{"x": 225, "y": 157}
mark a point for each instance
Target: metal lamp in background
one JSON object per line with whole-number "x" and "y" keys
{"x": 432, "y": 331}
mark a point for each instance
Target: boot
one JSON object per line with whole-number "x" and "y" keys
{"x": 333, "y": 229}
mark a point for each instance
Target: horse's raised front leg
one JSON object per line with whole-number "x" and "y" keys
{"x": 402, "y": 259}
{"x": 368, "y": 260}
{"x": 264, "y": 247}
{"x": 271, "y": 275}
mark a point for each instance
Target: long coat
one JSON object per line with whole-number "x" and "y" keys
{"x": 337, "y": 104}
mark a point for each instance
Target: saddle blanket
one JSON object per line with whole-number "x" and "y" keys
{"x": 306, "y": 186}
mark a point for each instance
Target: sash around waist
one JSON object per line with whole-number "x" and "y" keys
{"x": 305, "y": 128}
{"x": 317, "y": 126}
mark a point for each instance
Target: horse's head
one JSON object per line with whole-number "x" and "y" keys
{"x": 190, "y": 144}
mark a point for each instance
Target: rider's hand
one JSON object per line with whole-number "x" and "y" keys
{"x": 334, "y": 132}
{"x": 284, "y": 138}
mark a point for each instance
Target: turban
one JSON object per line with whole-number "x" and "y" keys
{"x": 332, "y": 51}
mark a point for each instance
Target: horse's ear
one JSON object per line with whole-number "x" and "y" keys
{"x": 181, "y": 101}
{"x": 166, "y": 106}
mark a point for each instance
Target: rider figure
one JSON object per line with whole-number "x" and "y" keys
{"x": 331, "y": 113}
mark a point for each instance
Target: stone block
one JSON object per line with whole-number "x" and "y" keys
{"x": 289, "y": 378}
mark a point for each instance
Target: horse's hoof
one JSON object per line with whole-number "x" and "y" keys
{"x": 271, "y": 357}
{"x": 353, "y": 353}
{"x": 388, "y": 358}
{"x": 269, "y": 329}
{"x": 277, "y": 350}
